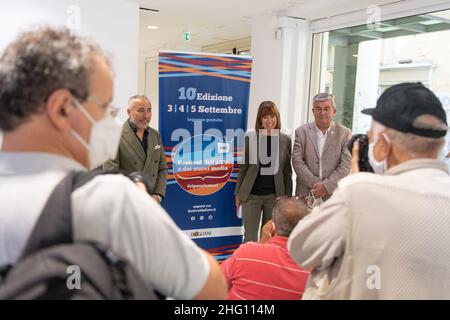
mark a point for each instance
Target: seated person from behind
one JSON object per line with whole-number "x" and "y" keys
{"x": 265, "y": 271}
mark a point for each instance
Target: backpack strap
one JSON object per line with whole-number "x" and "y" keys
{"x": 54, "y": 225}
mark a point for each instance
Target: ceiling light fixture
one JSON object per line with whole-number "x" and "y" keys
{"x": 152, "y": 27}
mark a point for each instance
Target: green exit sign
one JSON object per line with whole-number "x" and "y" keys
{"x": 186, "y": 36}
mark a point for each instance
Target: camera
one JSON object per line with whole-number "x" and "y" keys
{"x": 363, "y": 163}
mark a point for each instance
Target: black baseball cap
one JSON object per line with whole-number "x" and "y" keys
{"x": 401, "y": 104}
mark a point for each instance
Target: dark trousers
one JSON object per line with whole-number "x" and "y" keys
{"x": 251, "y": 214}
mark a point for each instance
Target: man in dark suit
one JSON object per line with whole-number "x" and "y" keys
{"x": 141, "y": 148}
{"x": 320, "y": 156}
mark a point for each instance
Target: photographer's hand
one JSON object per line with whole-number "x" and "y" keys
{"x": 355, "y": 157}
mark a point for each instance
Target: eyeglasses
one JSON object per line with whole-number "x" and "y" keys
{"x": 110, "y": 108}
{"x": 144, "y": 110}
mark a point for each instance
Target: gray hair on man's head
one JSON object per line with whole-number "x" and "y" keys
{"x": 36, "y": 64}
{"x": 286, "y": 214}
{"x": 414, "y": 145}
{"x": 137, "y": 96}
{"x": 324, "y": 96}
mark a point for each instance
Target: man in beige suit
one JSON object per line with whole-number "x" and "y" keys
{"x": 141, "y": 147}
{"x": 320, "y": 156}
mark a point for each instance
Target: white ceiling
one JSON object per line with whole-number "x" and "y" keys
{"x": 214, "y": 21}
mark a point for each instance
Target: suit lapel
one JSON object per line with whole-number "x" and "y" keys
{"x": 331, "y": 138}
{"x": 130, "y": 137}
{"x": 312, "y": 135}
{"x": 150, "y": 150}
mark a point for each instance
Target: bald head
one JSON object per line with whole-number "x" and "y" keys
{"x": 286, "y": 214}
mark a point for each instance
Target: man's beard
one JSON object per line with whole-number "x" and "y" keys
{"x": 142, "y": 124}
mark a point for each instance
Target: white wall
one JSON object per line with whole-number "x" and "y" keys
{"x": 151, "y": 86}
{"x": 267, "y": 52}
{"x": 281, "y": 59}
{"x": 113, "y": 24}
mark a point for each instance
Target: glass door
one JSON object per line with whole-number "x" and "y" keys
{"x": 358, "y": 63}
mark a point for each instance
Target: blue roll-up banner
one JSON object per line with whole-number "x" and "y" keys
{"x": 203, "y": 106}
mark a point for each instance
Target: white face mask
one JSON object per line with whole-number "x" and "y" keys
{"x": 104, "y": 138}
{"x": 379, "y": 167}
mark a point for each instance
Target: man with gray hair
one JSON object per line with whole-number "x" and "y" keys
{"x": 141, "y": 147}
{"x": 265, "y": 271}
{"x": 320, "y": 157}
{"x": 56, "y": 117}
{"x": 386, "y": 235}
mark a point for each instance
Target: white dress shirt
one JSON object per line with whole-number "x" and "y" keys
{"x": 321, "y": 139}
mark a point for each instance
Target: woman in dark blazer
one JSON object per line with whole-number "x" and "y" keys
{"x": 266, "y": 172}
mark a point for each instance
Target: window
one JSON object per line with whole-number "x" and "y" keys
{"x": 358, "y": 63}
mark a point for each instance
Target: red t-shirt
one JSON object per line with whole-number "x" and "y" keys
{"x": 264, "y": 272}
